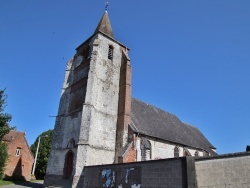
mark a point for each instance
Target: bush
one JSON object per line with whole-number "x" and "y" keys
{"x": 3, "y": 158}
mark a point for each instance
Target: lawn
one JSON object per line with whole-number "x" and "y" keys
{"x": 4, "y": 182}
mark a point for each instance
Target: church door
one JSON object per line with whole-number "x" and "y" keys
{"x": 68, "y": 165}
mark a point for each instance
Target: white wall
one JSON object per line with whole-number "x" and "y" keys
{"x": 163, "y": 149}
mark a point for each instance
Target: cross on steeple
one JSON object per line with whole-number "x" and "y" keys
{"x": 104, "y": 25}
{"x": 106, "y": 5}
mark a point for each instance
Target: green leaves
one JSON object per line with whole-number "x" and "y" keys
{"x": 4, "y": 129}
{"x": 3, "y": 157}
{"x": 4, "y": 117}
{"x": 43, "y": 153}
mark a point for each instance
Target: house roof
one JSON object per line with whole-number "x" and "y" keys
{"x": 12, "y": 135}
{"x": 154, "y": 122}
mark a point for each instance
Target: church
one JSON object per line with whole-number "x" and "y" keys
{"x": 99, "y": 122}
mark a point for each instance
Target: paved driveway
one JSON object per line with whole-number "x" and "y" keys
{"x": 25, "y": 184}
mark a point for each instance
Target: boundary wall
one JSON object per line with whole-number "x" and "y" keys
{"x": 175, "y": 172}
{"x": 231, "y": 171}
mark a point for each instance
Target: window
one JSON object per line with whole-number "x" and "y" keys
{"x": 176, "y": 152}
{"x": 18, "y": 151}
{"x": 71, "y": 143}
{"x": 145, "y": 149}
{"x": 147, "y": 154}
{"x": 205, "y": 154}
{"x": 196, "y": 154}
{"x": 110, "y": 53}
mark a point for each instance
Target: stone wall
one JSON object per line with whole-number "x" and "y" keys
{"x": 231, "y": 171}
{"x": 67, "y": 125}
{"x": 97, "y": 136}
{"x": 88, "y": 111}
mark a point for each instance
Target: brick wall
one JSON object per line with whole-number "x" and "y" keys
{"x": 124, "y": 106}
{"x": 19, "y": 164}
{"x": 130, "y": 156}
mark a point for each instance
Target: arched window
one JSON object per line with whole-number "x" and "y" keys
{"x": 176, "y": 152}
{"x": 196, "y": 154}
{"x": 18, "y": 151}
{"x": 110, "y": 53}
{"x": 71, "y": 143}
{"x": 145, "y": 149}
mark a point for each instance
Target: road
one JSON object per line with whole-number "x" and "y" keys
{"x": 25, "y": 184}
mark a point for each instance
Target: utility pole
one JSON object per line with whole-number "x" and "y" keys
{"x": 37, "y": 148}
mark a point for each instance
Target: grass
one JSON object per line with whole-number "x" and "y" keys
{"x": 4, "y": 182}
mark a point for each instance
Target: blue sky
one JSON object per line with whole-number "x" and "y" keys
{"x": 190, "y": 58}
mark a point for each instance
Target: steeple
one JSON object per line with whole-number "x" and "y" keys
{"x": 104, "y": 26}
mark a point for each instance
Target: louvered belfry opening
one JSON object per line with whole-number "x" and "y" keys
{"x": 110, "y": 53}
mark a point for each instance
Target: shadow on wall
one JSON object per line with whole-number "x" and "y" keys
{"x": 18, "y": 179}
{"x": 17, "y": 173}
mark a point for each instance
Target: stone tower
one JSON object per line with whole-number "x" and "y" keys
{"x": 94, "y": 111}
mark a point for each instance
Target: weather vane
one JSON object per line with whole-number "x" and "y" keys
{"x": 106, "y": 5}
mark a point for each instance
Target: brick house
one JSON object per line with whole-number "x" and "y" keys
{"x": 20, "y": 161}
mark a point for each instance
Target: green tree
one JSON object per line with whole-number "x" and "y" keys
{"x": 43, "y": 153}
{"x": 3, "y": 158}
{"x": 4, "y": 129}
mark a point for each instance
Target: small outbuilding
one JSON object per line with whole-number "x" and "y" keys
{"x": 20, "y": 161}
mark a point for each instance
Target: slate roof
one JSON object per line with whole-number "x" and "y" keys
{"x": 154, "y": 122}
{"x": 104, "y": 26}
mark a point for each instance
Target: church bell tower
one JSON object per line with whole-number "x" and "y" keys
{"x": 94, "y": 111}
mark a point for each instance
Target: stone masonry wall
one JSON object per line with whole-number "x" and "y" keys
{"x": 99, "y": 115}
{"x": 67, "y": 126}
{"x": 231, "y": 171}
